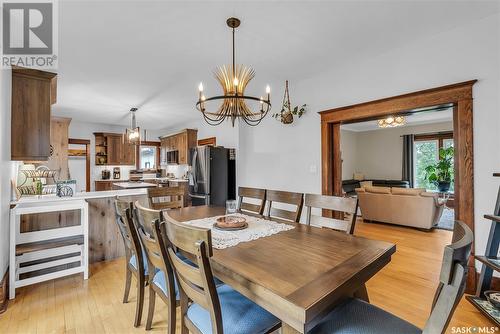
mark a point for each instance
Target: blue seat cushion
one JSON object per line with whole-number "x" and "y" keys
{"x": 239, "y": 314}
{"x": 133, "y": 262}
{"x": 358, "y": 317}
{"x": 160, "y": 281}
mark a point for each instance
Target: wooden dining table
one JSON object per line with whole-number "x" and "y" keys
{"x": 298, "y": 275}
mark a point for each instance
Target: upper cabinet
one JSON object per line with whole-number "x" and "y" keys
{"x": 113, "y": 149}
{"x": 175, "y": 147}
{"x": 33, "y": 93}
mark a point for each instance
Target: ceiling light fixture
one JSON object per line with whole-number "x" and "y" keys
{"x": 391, "y": 122}
{"x": 234, "y": 79}
{"x": 133, "y": 134}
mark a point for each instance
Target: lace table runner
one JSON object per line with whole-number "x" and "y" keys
{"x": 257, "y": 228}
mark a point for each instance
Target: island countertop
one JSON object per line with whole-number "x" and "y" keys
{"x": 133, "y": 185}
{"x": 81, "y": 195}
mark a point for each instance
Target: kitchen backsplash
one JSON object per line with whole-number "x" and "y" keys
{"x": 124, "y": 171}
{"x": 178, "y": 170}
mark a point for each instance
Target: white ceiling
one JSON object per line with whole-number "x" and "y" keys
{"x": 152, "y": 54}
{"x": 424, "y": 117}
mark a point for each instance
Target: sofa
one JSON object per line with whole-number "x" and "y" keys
{"x": 349, "y": 186}
{"x": 412, "y": 207}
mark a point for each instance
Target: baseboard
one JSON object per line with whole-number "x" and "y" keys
{"x": 4, "y": 292}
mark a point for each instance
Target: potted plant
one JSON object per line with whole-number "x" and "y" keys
{"x": 441, "y": 172}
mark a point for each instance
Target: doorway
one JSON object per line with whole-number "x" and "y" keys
{"x": 79, "y": 163}
{"x": 458, "y": 96}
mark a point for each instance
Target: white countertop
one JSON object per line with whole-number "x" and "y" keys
{"x": 113, "y": 180}
{"x": 132, "y": 185}
{"x": 80, "y": 196}
{"x": 165, "y": 179}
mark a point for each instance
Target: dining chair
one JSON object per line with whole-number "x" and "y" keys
{"x": 284, "y": 197}
{"x": 206, "y": 308}
{"x": 135, "y": 264}
{"x": 253, "y": 193}
{"x": 356, "y": 316}
{"x": 346, "y": 205}
{"x": 162, "y": 198}
{"x": 161, "y": 276}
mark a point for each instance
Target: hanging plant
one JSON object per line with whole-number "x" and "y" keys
{"x": 286, "y": 114}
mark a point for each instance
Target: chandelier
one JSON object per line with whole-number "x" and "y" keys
{"x": 133, "y": 135}
{"x": 234, "y": 79}
{"x": 391, "y": 122}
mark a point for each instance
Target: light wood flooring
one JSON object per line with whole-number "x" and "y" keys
{"x": 70, "y": 305}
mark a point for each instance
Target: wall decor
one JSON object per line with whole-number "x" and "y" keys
{"x": 286, "y": 114}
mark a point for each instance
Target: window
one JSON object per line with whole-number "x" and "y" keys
{"x": 426, "y": 152}
{"x": 147, "y": 157}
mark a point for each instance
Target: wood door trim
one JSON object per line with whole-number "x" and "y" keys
{"x": 458, "y": 95}
{"x": 211, "y": 141}
{"x": 85, "y": 142}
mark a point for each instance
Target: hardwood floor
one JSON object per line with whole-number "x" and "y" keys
{"x": 69, "y": 305}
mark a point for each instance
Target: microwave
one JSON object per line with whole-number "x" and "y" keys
{"x": 173, "y": 157}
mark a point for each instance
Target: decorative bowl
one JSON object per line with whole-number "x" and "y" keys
{"x": 493, "y": 297}
{"x": 230, "y": 223}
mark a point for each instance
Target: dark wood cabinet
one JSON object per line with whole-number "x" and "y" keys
{"x": 181, "y": 142}
{"x": 33, "y": 93}
{"x": 103, "y": 185}
{"x": 128, "y": 153}
{"x": 113, "y": 149}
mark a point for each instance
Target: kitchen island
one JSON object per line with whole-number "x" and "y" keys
{"x": 47, "y": 230}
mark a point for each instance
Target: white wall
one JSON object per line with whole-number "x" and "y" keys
{"x": 348, "y": 149}
{"x": 277, "y": 156}
{"x": 378, "y": 154}
{"x": 6, "y": 166}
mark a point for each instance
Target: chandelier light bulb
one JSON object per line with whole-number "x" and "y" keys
{"x": 261, "y": 100}
{"x": 203, "y": 97}
{"x": 235, "y": 82}
{"x": 200, "y": 87}
{"x": 268, "y": 89}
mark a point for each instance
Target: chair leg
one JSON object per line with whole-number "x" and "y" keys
{"x": 140, "y": 301}
{"x": 171, "y": 316}
{"x": 184, "y": 305}
{"x": 128, "y": 281}
{"x": 151, "y": 308}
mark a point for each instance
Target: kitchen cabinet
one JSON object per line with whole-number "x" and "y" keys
{"x": 113, "y": 149}
{"x": 104, "y": 185}
{"x": 33, "y": 93}
{"x": 59, "y": 142}
{"x": 180, "y": 142}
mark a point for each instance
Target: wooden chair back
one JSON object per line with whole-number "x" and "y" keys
{"x": 452, "y": 279}
{"x": 255, "y": 193}
{"x": 285, "y": 197}
{"x": 340, "y": 204}
{"x": 162, "y": 198}
{"x": 128, "y": 231}
{"x": 145, "y": 229}
{"x": 196, "y": 283}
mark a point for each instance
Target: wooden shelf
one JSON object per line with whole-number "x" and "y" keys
{"x": 59, "y": 242}
{"x": 493, "y": 217}
{"x": 482, "y": 305}
{"x": 495, "y": 264}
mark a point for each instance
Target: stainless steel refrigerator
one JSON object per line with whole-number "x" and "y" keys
{"x": 212, "y": 179}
